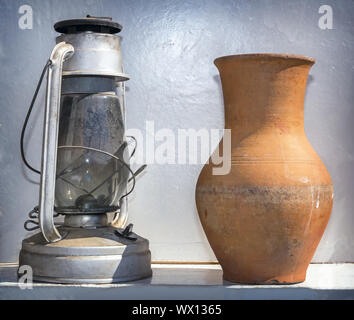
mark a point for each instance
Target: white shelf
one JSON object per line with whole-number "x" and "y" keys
{"x": 200, "y": 282}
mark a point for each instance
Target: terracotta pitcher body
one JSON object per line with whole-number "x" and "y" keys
{"x": 265, "y": 218}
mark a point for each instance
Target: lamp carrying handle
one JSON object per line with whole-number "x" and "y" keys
{"x": 61, "y": 52}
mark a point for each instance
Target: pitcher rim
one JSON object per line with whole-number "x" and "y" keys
{"x": 266, "y": 56}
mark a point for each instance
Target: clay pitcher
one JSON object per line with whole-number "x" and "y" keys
{"x": 266, "y": 217}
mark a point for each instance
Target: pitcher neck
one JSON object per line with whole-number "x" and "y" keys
{"x": 264, "y": 91}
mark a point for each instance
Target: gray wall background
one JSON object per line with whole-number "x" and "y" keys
{"x": 168, "y": 50}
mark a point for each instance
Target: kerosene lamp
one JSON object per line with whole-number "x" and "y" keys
{"x": 85, "y": 173}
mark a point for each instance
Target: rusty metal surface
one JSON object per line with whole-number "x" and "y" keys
{"x": 95, "y": 54}
{"x": 87, "y": 256}
{"x": 50, "y": 141}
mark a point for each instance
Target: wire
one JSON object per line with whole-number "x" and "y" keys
{"x": 49, "y": 62}
{"x": 113, "y": 156}
{"x": 135, "y": 145}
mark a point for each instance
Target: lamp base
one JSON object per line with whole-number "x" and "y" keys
{"x": 87, "y": 256}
